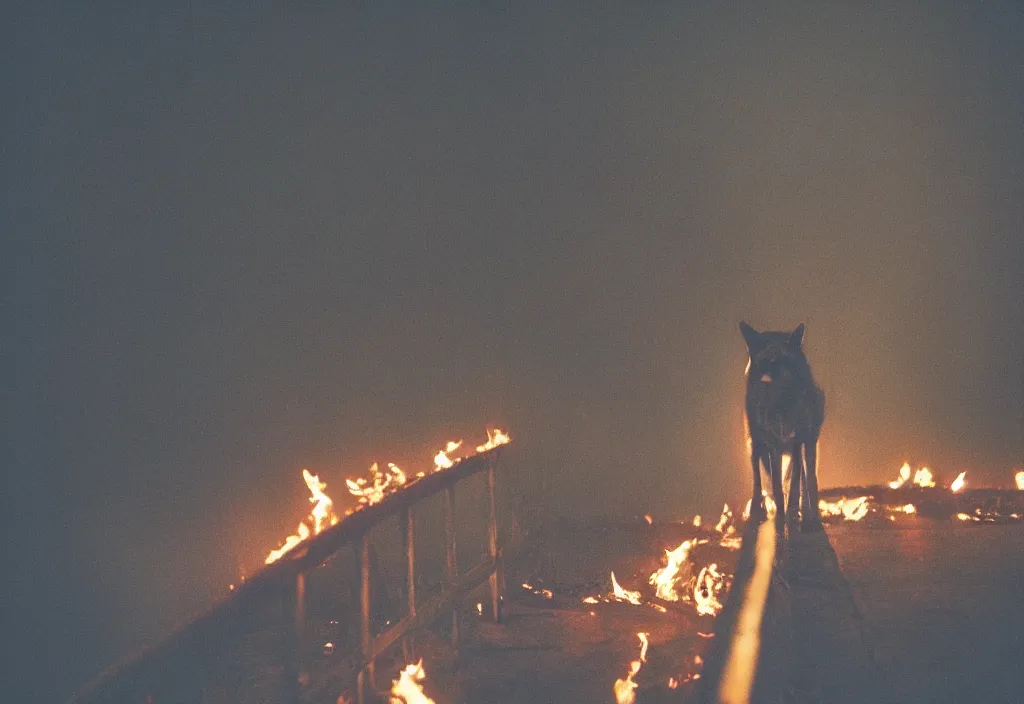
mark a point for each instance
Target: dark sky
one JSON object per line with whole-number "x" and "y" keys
{"x": 239, "y": 242}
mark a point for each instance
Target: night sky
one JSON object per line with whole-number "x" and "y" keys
{"x": 239, "y": 242}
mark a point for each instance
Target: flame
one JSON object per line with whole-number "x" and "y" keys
{"x": 923, "y": 478}
{"x": 625, "y": 690}
{"x": 909, "y": 508}
{"x": 495, "y": 437}
{"x": 407, "y": 689}
{"x": 724, "y": 519}
{"x": 647, "y": 517}
{"x": 621, "y": 594}
{"x": 1019, "y": 479}
{"x": 320, "y": 517}
{"x": 664, "y": 579}
{"x": 959, "y": 483}
{"x": 903, "y": 478}
{"x": 710, "y": 583}
{"x": 849, "y": 509}
{"x": 380, "y": 485}
{"x": 442, "y": 460}
{"x": 697, "y": 519}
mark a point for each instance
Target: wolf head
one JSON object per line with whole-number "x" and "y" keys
{"x": 777, "y": 359}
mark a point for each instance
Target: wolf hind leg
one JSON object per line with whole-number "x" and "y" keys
{"x": 811, "y": 518}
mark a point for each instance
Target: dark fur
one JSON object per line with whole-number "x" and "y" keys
{"x": 785, "y": 412}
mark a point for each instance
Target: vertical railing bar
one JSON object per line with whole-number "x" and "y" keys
{"x": 492, "y": 527}
{"x": 365, "y": 679}
{"x": 451, "y": 564}
{"x": 410, "y": 559}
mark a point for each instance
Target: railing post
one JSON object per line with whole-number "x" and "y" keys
{"x": 365, "y": 679}
{"x": 449, "y": 555}
{"x": 295, "y": 622}
{"x": 408, "y": 646}
{"x": 492, "y": 527}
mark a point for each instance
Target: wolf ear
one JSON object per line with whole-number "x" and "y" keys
{"x": 752, "y": 336}
{"x": 796, "y": 338}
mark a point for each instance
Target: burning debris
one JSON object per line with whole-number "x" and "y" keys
{"x": 379, "y": 485}
{"x": 959, "y": 483}
{"x": 1019, "y": 479}
{"x": 710, "y": 585}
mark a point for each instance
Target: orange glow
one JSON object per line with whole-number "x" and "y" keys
{"x": 923, "y": 478}
{"x": 1019, "y": 479}
{"x": 625, "y": 690}
{"x": 665, "y": 579}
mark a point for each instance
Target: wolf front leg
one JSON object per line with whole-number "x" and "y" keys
{"x": 756, "y": 503}
{"x": 796, "y": 469}
{"x": 775, "y": 471}
{"x": 811, "y": 517}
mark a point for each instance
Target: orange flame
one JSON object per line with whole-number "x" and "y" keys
{"x": 442, "y": 459}
{"x": 959, "y": 483}
{"x": 407, "y": 689}
{"x": 625, "y": 690}
{"x": 849, "y": 509}
{"x": 923, "y": 478}
{"x": 380, "y": 485}
{"x": 320, "y": 517}
{"x": 665, "y": 579}
{"x": 903, "y": 478}
{"x": 710, "y": 583}
{"x": 1019, "y": 479}
{"x": 620, "y": 594}
{"x": 495, "y": 437}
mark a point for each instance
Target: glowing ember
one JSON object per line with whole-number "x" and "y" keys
{"x": 959, "y": 483}
{"x": 1019, "y": 479}
{"x": 647, "y": 517}
{"x": 903, "y": 478}
{"x": 378, "y": 486}
{"x": 923, "y": 478}
{"x": 546, "y": 593}
{"x": 320, "y": 517}
{"x": 621, "y": 594}
{"x": 407, "y": 689}
{"x": 442, "y": 459}
{"x": 625, "y": 690}
{"x": 696, "y": 519}
{"x": 909, "y": 508}
{"x": 710, "y": 584}
{"x": 666, "y": 578}
{"x": 495, "y": 437}
{"x": 965, "y": 517}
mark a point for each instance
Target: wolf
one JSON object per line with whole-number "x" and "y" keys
{"x": 785, "y": 412}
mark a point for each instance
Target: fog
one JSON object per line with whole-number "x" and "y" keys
{"x": 247, "y": 241}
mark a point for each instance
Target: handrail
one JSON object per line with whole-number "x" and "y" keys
{"x": 284, "y": 578}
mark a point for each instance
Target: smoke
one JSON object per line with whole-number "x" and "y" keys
{"x": 247, "y": 244}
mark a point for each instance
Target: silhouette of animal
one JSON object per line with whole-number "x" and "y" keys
{"x": 785, "y": 412}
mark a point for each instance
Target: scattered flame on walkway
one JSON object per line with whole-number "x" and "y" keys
{"x": 903, "y": 478}
{"x": 923, "y": 478}
{"x": 620, "y": 594}
{"x": 665, "y": 579}
{"x": 697, "y": 519}
{"x": 849, "y": 509}
{"x": 539, "y": 591}
{"x": 647, "y": 517}
{"x": 710, "y": 584}
{"x": 1019, "y": 479}
{"x": 321, "y": 516}
{"x": 407, "y": 689}
{"x": 909, "y": 508}
{"x": 959, "y": 483}
{"x": 495, "y": 437}
{"x": 725, "y": 519}
{"x": 625, "y": 690}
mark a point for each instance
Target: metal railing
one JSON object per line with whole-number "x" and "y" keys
{"x": 284, "y": 583}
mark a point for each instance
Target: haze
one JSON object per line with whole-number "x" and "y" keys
{"x": 246, "y": 241}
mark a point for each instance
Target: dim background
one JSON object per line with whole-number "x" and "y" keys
{"x": 240, "y": 241}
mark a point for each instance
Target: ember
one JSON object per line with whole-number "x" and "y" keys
{"x": 1019, "y": 478}
{"x": 959, "y": 483}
